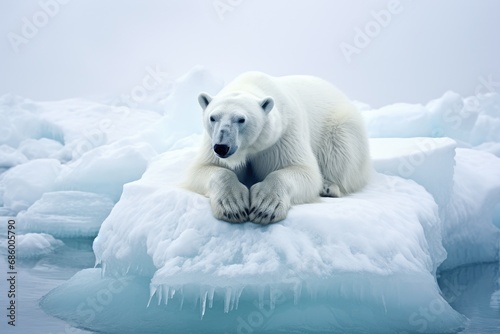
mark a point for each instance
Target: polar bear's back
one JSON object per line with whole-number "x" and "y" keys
{"x": 300, "y": 99}
{"x": 317, "y": 97}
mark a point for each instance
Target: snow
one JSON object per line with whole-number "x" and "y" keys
{"x": 428, "y": 161}
{"x": 106, "y": 168}
{"x": 452, "y": 117}
{"x": 33, "y": 245}
{"x": 10, "y": 157}
{"x": 473, "y": 202}
{"x": 40, "y": 148}
{"x": 172, "y": 238}
{"x": 24, "y": 184}
{"x": 367, "y": 262}
{"x": 399, "y": 120}
{"x": 472, "y": 122}
{"x": 20, "y": 120}
{"x": 80, "y": 216}
{"x": 464, "y": 183}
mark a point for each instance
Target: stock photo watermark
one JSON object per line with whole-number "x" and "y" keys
{"x": 425, "y": 315}
{"x": 486, "y": 85}
{"x": 408, "y": 165}
{"x": 88, "y": 309}
{"x": 453, "y": 118}
{"x": 93, "y": 305}
{"x": 363, "y": 36}
{"x": 151, "y": 82}
{"x": 96, "y": 136}
{"x": 31, "y": 25}
{"x": 222, "y": 7}
{"x": 463, "y": 116}
{"x": 11, "y": 273}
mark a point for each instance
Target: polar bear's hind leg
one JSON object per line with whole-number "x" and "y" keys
{"x": 343, "y": 158}
{"x": 330, "y": 190}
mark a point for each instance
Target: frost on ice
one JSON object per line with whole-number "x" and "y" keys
{"x": 366, "y": 262}
{"x": 81, "y": 214}
{"x": 34, "y": 245}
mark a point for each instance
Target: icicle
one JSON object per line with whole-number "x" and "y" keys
{"x": 233, "y": 299}
{"x": 238, "y": 295}
{"x": 182, "y": 297}
{"x": 297, "y": 290}
{"x": 103, "y": 269}
{"x": 128, "y": 269}
{"x": 272, "y": 298}
{"x": 261, "y": 297}
{"x": 97, "y": 262}
{"x": 227, "y": 299}
{"x": 383, "y": 302}
{"x": 152, "y": 291}
{"x": 166, "y": 293}
{"x": 172, "y": 293}
{"x": 211, "y": 293}
{"x": 313, "y": 290}
{"x": 160, "y": 293}
{"x": 203, "y": 302}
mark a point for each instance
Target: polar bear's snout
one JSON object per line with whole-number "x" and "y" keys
{"x": 221, "y": 150}
{"x": 224, "y": 139}
{"x": 224, "y": 150}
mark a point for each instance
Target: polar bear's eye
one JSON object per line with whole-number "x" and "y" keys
{"x": 241, "y": 120}
{"x": 212, "y": 119}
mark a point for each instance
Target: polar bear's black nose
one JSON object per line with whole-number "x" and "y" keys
{"x": 221, "y": 150}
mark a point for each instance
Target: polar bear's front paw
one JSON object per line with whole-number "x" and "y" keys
{"x": 231, "y": 204}
{"x": 268, "y": 205}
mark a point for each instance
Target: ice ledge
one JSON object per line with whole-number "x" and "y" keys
{"x": 348, "y": 251}
{"x": 428, "y": 161}
{"x": 465, "y": 184}
{"x": 371, "y": 255}
{"x": 349, "y": 306}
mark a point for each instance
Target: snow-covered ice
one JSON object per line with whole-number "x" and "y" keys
{"x": 66, "y": 214}
{"x": 399, "y": 120}
{"x": 367, "y": 262}
{"x": 35, "y": 245}
{"x": 329, "y": 254}
{"x": 21, "y": 120}
{"x": 428, "y": 161}
{"x": 106, "y": 168}
{"x": 10, "y": 157}
{"x": 464, "y": 183}
{"x": 24, "y": 184}
{"x": 469, "y": 233}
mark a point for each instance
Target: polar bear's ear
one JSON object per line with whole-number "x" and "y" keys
{"x": 204, "y": 99}
{"x": 267, "y": 104}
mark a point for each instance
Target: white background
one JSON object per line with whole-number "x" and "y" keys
{"x": 97, "y": 48}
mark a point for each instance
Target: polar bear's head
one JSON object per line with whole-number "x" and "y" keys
{"x": 234, "y": 122}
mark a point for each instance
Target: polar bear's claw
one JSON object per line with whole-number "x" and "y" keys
{"x": 269, "y": 205}
{"x": 231, "y": 204}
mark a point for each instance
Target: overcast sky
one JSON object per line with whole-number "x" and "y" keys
{"x": 378, "y": 52}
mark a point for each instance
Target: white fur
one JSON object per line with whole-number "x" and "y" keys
{"x": 311, "y": 142}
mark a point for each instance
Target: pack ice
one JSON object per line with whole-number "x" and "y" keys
{"x": 363, "y": 263}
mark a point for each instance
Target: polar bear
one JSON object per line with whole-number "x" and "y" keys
{"x": 272, "y": 142}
